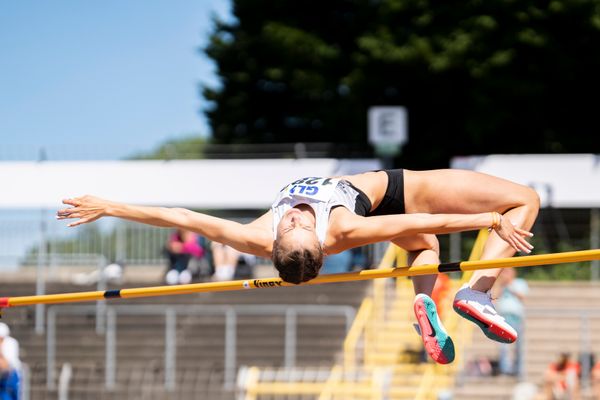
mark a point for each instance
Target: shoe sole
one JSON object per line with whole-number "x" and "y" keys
{"x": 489, "y": 327}
{"x": 437, "y": 343}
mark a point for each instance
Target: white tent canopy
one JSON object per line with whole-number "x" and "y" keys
{"x": 562, "y": 180}
{"x": 203, "y": 184}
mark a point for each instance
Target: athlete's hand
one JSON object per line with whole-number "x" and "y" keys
{"x": 514, "y": 236}
{"x": 86, "y": 209}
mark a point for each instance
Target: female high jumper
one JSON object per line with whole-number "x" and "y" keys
{"x": 312, "y": 217}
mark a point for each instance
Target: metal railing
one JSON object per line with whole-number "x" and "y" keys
{"x": 25, "y": 388}
{"x": 585, "y": 335}
{"x": 170, "y": 312}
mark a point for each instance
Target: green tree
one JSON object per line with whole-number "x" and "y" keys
{"x": 477, "y": 77}
{"x": 192, "y": 147}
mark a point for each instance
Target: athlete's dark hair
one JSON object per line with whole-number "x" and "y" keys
{"x": 297, "y": 265}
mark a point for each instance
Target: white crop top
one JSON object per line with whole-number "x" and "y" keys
{"x": 319, "y": 193}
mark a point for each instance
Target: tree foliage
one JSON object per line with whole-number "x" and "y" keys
{"x": 478, "y": 77}
{"x": 191, "y": 147}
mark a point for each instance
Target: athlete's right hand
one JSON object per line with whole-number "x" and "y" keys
{"x": 514, "y": 236}
{"x": 86, "y": 209}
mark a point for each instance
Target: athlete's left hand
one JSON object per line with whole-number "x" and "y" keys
{"x": 86, "y": 208}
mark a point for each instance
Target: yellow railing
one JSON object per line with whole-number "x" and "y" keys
{"x": 351, "y": 343}
{"x": 335, "y": 387}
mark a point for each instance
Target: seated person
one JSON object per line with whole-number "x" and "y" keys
{"x": 226, "y": 261}
{"x": 10, "y": 365}
{"x": 561, "y": 380}
{"x": 595, "y": 378}
{"x": 180, "y": 248}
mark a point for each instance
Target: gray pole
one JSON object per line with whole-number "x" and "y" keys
{"x": 595, "y": 241}
{"x": 51, "y": 350}
{"x": 120, "y": 245}
{"x": 40, "y": 286}
{"x": 230, "y": 348}
{"x": 290, "y": 338}
{"x": 584, "y": 349}
{"x": 455, "y": 247}
{"x": 101, "y": 304}
{"x": 170, "y": 348}
{"x": 111, "y": 344}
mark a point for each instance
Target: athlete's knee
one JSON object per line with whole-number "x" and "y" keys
{"x": 429, "y": 242}
{"x": 418, "y": 243}
{"x": 434, "y": 243}
{"x": 530, "y": 198}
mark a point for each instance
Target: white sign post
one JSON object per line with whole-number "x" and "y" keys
{"x": 388, "y": 129}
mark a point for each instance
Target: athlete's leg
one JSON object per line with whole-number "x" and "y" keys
{"x": 459, "y": 191}
{"x": 424, "y": 249}
{"x": 456, "y": 191}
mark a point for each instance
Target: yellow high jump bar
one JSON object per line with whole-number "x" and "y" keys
{"x": 524, "y": 261}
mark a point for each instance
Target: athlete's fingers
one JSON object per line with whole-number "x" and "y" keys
{"x": 65, "y": 212}
{"x": 76, "y": 223}
{"x": 522, "y": 237}
{"x": 75, "y": 215}
{"x": 515, "y": 244}
{"x": 523, "y": 244}
{"x": 529, "y": 245}
{"x": 83, "y": 220}
{"x": 523, "y": 232}
{"x": 72, "y": 202}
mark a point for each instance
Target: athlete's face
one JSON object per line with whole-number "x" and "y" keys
{"x": 297, "y": 227}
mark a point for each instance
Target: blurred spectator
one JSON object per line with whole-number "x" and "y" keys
{"x": 337, "y": 263}
{"x": 479, "y": 366}
{"x": 181, "y": 247}
{"x": 439, "y": 292}
{"x": 595, "y": 378}
{"x": 112, "y": 274}
{"x": 525, "y": 391}
{"x": 561, "y": 381}
{"x": 360, "y": 260}
{"x": 512, "y": 293}
{"x": 245, "y": 266}
{"x": 10, "y": 365}
{"x": 226, "y": 261}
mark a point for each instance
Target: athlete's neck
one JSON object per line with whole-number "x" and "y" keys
{"x": 307, "y": 210}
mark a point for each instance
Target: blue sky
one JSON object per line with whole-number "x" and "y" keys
{"x": 91, "y": 79}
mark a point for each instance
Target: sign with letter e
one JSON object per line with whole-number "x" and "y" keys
{"x": 388, "y": 125}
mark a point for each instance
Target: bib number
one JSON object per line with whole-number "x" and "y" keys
{"x": 311, "y": 187}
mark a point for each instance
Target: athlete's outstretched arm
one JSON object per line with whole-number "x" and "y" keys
{"x": 255, "y": 238}
{"x": 358, "y": 231}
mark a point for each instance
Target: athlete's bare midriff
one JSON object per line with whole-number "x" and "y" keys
{"x": 373, "y": 184}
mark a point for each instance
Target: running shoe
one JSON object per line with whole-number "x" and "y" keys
{"x": 437, "y": 343}
{"x": 477, "y": 307}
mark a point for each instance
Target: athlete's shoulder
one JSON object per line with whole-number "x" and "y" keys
{"x": 342, "y": 224}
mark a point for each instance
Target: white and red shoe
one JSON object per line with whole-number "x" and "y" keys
{"x": 477, "y": 307}
{"x": 437, "y": 343}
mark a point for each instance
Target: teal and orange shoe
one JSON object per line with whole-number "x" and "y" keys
{"x": 437, "y": 343}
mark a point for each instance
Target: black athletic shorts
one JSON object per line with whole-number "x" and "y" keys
{"x": 393, "y": 200}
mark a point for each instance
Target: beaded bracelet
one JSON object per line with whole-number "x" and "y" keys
{"x": 496, "y": 220}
